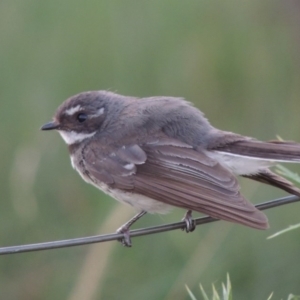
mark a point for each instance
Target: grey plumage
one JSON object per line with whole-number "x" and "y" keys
{"x": 157, "y": 152}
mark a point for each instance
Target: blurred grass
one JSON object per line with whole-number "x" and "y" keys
{"x": 226, "y": 294}
{"x": 238, "y": 61}
{"x": 287, "y": 173}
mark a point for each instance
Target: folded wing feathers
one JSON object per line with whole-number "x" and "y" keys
{"x": 198, "y": 184}
{"x": 175, "y": 174}
{"x": 240, "y": 214}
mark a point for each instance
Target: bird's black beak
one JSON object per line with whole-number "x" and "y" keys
{"x": 50, "y": 126}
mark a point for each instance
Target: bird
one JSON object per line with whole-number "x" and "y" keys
{"x": 156, "y": 153}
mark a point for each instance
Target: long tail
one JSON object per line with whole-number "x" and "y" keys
{"x": 276, "y": 151}
{"x": 268, "y": 177}
{"x": 284, "y": 151}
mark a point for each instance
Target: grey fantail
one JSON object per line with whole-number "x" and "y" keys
{"x": 158, "y": 152}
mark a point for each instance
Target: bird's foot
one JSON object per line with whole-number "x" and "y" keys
{"x": 190, "y": 224}
{"x": 124, "y": 229}
{"x": 125, "y": 240}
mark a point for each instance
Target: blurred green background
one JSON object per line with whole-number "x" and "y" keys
{"x": 238, "y": 61}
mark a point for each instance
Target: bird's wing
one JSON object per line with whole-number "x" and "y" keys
{"x": 174, "y": 173}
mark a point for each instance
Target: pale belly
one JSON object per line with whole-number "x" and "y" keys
{"x": 138, "y": 201}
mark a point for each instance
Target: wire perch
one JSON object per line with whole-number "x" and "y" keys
{"x": 133, "y": 233}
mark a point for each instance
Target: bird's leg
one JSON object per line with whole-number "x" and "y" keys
{"x": 124, "y": 229}
{"x": 189, "y": 221}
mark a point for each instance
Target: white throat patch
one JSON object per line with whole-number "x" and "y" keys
{"x": 72, "y": 137}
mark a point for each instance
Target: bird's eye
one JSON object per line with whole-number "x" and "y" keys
{"x": 81, "y": 117}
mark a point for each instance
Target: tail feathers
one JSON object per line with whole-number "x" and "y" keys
{"x": 285, "y": 151}
{"x": 268, "y": 177}
{"x": 253, "y": 218}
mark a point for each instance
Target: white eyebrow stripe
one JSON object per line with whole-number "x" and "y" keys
{"x": 98, "y": 113}
{"x": 71, "y": 111}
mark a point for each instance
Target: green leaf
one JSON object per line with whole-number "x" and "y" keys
{"x": 293, "y": 297}
{"x": 215, "y": 293}
{"x": 190, "y": 293}
{"x": 290, "y": 228}
{"x": 228, "y": 291}
{"x": 287, "y": 173}
{"x": 204, "y": 295}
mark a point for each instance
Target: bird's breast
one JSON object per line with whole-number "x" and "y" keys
{"x": 138, "y": 201}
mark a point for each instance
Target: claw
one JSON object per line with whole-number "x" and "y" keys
{"x": 124, "y": 229}
{"x": 125, "y": 240}
{"x": 190, "y": 224}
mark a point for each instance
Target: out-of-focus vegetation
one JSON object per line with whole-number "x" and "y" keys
{"x": 238, "y": 61}
{"x": 225, "y": 293}
{"x": 285, "y": 172}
